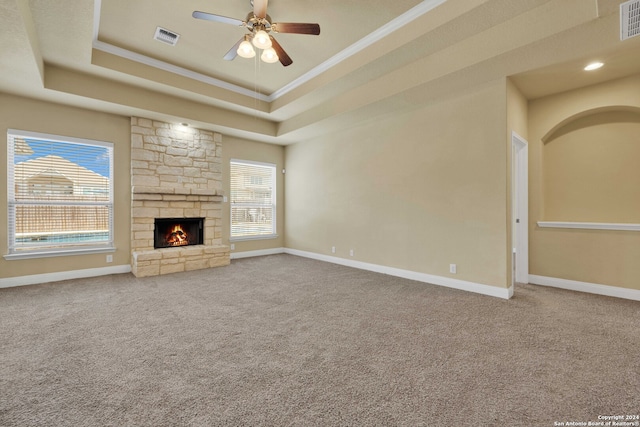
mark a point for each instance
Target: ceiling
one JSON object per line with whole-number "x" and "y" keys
{"x": 371, "y": 58}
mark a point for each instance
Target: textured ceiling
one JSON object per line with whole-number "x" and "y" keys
{"x": 202, "y": 44}
{"x": 372, "y": 57}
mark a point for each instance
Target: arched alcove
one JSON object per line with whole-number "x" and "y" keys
{"x": 591, "y": 167}
{"x": 608, "y": 114}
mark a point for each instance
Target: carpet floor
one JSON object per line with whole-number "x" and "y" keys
{"x": 287, "y": 341}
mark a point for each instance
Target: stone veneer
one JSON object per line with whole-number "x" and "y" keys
{"x": 176, "y": 172}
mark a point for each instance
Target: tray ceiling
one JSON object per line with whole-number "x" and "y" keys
{"x": 371, "y": 57}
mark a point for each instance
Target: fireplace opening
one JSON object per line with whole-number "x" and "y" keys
{"x": 173, "y": 232}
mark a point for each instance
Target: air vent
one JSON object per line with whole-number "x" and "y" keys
{"x": 629, "y": 19}
{"x": 165, "y": 36}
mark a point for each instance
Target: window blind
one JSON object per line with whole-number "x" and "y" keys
{"x": 60, "y": 193}
{"x": 253, "y": 199}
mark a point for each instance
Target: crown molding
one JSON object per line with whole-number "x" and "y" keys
{"x": 377, "y": 35}
{"x": 174, "y": 69}
{"x": 360, "y": 45}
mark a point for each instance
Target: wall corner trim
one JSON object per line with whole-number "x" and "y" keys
{"x": 592, "y": 288}
{"x": 494, "y": 291}
{"x": 37, "y": 279}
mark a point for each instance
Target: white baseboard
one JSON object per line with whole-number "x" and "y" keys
{"x": 448, "y": 282}
{"x": 36, "y": 279}
{"x": 260, "y": 252}
{"x": 592, "y": 288}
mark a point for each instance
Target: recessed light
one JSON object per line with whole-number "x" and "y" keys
{"x": 593, "y": 66}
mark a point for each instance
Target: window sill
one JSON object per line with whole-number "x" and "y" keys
{"x": 66, "y": 252}
{"x": 260, "y": 237}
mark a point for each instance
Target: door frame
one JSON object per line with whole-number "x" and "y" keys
{"x": 520, "y": 207}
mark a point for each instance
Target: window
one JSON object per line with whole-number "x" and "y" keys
{"x": 253, "y": 200}
{"x": 60, "y": 194}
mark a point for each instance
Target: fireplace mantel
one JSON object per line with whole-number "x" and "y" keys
{"x": 176, "y": 194}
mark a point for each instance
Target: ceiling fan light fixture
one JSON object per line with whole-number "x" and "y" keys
{"x": 261, "y": 40}
{"x": 259, "y": 24}
{"x": 245, "y": 49}
{"x": 269, "y": 56}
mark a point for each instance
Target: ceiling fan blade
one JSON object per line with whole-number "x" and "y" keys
{"x": 295, "y": 28}
{"x": 233, "y": 52}
{"x": 260, "y": 8}
{"x": 285, "y": 60}
{"x": 217, "y": 18}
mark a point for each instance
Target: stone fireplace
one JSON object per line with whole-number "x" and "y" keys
{"x": 176, "y": 178}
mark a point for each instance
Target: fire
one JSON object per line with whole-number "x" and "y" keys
{"x": 177, "y": 237}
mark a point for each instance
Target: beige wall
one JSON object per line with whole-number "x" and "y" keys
{"x": 242, "y": 149}
{"x": 37, "y": 116}
{"x": 583, "y": 155}
{"x": 418, "y": 190}
{"x": 517, "y": 112}
{"x": 591, "y": 173}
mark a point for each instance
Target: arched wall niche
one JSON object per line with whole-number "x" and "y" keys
{"x": 608, "y": 114}
{"x": 565, "y": 250}
{"x": 590, "y": 167}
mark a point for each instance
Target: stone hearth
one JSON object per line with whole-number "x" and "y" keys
{"x": 176, "y": 172}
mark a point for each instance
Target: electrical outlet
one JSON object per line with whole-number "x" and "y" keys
{"x": 333, "y": 249}
{"x": 453, "y": 268}
{"x": 233, "y": 246}
{"x": 350, "y": 252}
{"x": 225, "y": 199}
{"x": 109, "y": 258}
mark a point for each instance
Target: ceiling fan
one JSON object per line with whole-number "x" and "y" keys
{"x": 260, "y": 25}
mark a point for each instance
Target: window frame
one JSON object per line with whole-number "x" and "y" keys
{"x": 273, "y": 204}
{"x": 63, "y": 249}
